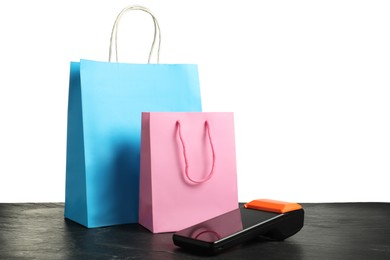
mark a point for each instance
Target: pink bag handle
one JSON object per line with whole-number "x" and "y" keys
{"x": 187, "y": 175}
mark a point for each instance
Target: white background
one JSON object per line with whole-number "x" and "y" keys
{"x": 308, "y": 81}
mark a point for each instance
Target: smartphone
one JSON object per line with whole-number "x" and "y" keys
{"x": 235, "y": 227}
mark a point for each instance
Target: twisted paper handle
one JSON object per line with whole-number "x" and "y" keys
{"x": 114, "y": 33}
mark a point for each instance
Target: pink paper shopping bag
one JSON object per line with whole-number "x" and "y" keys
{"x": 187, "y": 170}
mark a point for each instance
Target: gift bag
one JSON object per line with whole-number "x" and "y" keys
{"x": 188, "y": 169}
{"x": 104, "y": 128}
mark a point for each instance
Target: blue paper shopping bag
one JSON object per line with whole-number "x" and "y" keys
{"x": 104, "y": 129}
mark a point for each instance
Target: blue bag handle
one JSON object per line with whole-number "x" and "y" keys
{"x": 114, "y": 34}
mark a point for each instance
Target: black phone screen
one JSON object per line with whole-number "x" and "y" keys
{"x": 227, "y": 225}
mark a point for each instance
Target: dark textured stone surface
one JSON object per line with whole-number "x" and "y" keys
{"x": 331, "y": 231}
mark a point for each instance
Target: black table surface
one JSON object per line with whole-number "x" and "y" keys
{"x": 331, "y": 231}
